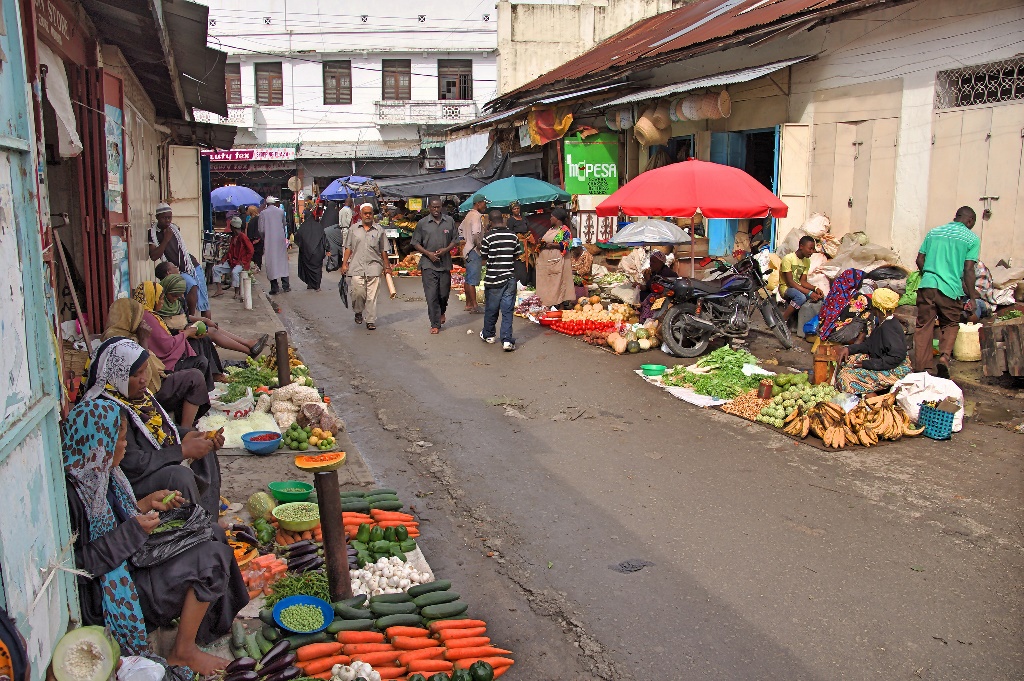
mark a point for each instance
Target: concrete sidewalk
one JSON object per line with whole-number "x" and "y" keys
{"x": 243, "y": 475}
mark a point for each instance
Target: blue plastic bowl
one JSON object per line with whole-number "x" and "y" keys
{"x": 262, "y": 448}
{"x": 324, "y": 606}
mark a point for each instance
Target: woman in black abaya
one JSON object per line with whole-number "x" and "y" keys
{"x": 312, "y": 249}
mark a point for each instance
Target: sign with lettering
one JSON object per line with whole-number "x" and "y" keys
{"x": 237, "y": 155}
{"x": 57, "y": 26}
{"x": 592, "y": 164}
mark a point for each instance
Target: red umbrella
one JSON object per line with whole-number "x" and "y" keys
{"x": 682, "y": 190}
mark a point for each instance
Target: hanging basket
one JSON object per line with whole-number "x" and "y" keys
{"x": 661, "y": 117}
{"x": 715, "y": 105}
{"x": 619, "y": 119}
{"x": 648, "y": 134}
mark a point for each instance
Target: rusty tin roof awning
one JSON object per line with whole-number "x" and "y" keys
{"x": 164, "y": 42}
{"x": 494, "y": 118}
{"x": 700, "y": 27}
{"x": 726, "y": 78}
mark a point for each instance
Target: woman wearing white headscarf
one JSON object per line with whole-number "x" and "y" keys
{"x": 119, "y": 372}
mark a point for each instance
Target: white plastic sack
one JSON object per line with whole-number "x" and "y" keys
{"x": 816, "y": 276}
{"x": 817, "y": 225}
{"x": 913, "y": 389}
{"x": 238, "y": 409}
{"x": 1006, "y": 277}
{"x": 140, "y": 669}
{"x": 790, "y": 243}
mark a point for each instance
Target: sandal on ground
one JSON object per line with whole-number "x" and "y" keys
{"x": 435, "y": 330}
{"x": 370, "y": 326}
{"x": 359, "y": 318}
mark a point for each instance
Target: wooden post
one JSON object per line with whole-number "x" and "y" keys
{"x": 328, "y": 495}
{"x": 284, "y": 369}
{"x": 693, "y": 239}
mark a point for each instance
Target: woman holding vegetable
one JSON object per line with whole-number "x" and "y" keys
{"x": 201, "y": 587}
{"x": 173, "y": 350}
{"x": 554, "y": 269}
{"x": 182, "y": 393}
{"x": 119, "y": 373}
{"x": 881, "y": 361}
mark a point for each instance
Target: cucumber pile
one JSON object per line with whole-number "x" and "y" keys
{"x": 417, "y": 607}
{"x": 382, "y": 499}
{"x": 374, "y": 543}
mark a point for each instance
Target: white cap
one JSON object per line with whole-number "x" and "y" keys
{"x": 162, "y": 208}
{"x": 272, "y": 199}
{"x": 364, "y": 205}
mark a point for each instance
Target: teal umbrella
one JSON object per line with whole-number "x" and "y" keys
{"x": 525, "y": 190}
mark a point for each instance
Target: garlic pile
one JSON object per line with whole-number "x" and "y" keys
{"x": 356, "y": 670}
{"x": 386, "y": 576}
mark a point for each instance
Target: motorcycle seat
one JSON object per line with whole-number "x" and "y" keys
{"x": 704, "y": 286}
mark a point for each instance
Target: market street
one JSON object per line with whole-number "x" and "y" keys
{"x": 767, "y": 558}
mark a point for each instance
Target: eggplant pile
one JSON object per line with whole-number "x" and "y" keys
{"x": 303, "y": 556}
{"x": 277, "y": 664}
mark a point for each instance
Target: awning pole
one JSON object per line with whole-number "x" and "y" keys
{"x": 692, "y": 251}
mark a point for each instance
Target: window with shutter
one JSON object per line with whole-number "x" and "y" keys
{"x": 269, "y": 84}
{"x": 397, "y": 79}
{"x": 338, "y": 82}
{"x": 233, "y": 83}
{"x": 455, "y": 79}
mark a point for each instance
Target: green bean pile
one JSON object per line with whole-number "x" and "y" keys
{"x": 170, "y": 525}
{"x": 303, "y": 618}
{"x": 312, "y": 583}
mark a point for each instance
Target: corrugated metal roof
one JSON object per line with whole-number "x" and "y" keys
{"x": 727, "y": 78}
{"x": 705, "y": 22}
{"x": 359, "y": 149}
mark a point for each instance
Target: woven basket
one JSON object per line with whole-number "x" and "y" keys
{"x": 715, "y": 105}
{"x": 619, "y": 119}
{"x": 74, "y": 360}
{"x": 689, "y": 108}
{"x": 648, "y": 134}
{"x": 661, "y": 117}
{"x": 938, "y": 425}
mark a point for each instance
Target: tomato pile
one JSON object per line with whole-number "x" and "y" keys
{"x": 578, "y": 327}
{"x": 266, "y": 437}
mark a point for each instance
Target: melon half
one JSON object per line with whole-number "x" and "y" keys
{"x": 86, "y": 654}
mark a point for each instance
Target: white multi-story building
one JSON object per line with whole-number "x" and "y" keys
{"x": 329, "y": 88}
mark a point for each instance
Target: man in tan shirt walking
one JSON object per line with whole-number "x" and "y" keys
{"x": 365, "y": 260}
{"x": 471, "y": 231}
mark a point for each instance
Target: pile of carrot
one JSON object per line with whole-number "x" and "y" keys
{"x": 383, "y": 519}
{"x": 466, "y": 642}
{"x": 259, "y": 573}
{"x": 286, "y": 537}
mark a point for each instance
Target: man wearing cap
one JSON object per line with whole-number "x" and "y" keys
{"x": 166, "y": 243}
{"x": 471, "y": 231}
{"x": 238, "y": 258}
{"x": 274, "y": 232}
{"x": 366, "y": 258}
{"x": 433, "y": 239}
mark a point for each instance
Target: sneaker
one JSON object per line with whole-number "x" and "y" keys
{"x": 486, "y": 339}
{"x": 509, "y": 346}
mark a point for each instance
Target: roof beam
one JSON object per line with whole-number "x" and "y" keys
{"x": 156, "y": 8}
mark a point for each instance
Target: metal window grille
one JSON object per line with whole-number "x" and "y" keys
{"x": 1001, "y": 81}
{"x": 269, "y": 84}
{"x": 338, "y": 82}
{"x": 455, "y": 79}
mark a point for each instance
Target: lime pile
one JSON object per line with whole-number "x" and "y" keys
{"x": 792, "y": 391}
{"x": 303, "y": 439}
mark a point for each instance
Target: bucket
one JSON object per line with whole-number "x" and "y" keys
{"x": 661, "y": 117}
{"x": 967, "y": 347}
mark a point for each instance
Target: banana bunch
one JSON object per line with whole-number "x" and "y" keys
{"x": 293, "y": 359}
{"x": 876, "y": 418}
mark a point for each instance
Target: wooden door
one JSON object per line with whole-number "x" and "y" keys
{"x": 794, "y": 176}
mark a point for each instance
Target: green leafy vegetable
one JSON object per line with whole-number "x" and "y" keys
{"x": 252, "y": 376}
{"x": 1012, "y": 314}
{"x": 725, "y": 380}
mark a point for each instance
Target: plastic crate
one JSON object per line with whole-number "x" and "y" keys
{"x": 938, "y": 425}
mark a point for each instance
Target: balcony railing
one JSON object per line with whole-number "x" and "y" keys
{"x": 450, "y": 111}
{"x": 240, "y": 115}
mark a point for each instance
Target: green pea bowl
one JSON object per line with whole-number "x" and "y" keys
{"x": 324, "y": 606}
{"x": 298, "y": 516}
{"x": 290, "y": 490}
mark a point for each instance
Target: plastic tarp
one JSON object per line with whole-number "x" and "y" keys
{"x": 650, "y": 231}
{"x": 494, "y": 165}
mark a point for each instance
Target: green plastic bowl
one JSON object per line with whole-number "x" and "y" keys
{"x": 653, "y": 369}
{"x": 282, "y": 491}
{"x": 296, "y": 526}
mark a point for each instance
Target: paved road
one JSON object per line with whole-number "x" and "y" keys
{"x": 539, "y": 472}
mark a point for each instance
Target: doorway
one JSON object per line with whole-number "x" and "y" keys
{"x": 755, "y": 152}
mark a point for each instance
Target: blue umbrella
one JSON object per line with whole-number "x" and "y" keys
{"x": 348, "y": 187}
{"x": 231, "y": 197}
{"x": 525, "y": 190}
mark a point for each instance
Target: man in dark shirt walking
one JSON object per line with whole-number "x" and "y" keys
{"x": 500, "y": 247}
{"x": 433, "y": 240}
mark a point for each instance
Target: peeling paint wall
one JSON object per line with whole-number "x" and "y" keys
{"x": 13, "y": 361}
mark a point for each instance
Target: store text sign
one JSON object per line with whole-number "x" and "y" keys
{"x": 592, "y": 164}
{"x": 237, "y": 155}
{"x": 56, "y": 23}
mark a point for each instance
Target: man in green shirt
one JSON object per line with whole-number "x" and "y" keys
{"x": 946, "y": 260}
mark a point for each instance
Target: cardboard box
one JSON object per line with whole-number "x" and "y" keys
{"x": 700, "y": 248}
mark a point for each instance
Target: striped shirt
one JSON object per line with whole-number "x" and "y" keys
{"x": 500, "y": 246}
{"x": 945, "y": 250}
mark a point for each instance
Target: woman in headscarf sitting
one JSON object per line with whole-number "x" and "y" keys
{"x": 846, "y": 315}
{"x": 880, "y": 361}
{"x": 200, "y": 587}
{"x": 182, "y": 393}
{"x": 119, "y": 373}
{"x": 173, "y": 350}
{"x": 174, "y": 313}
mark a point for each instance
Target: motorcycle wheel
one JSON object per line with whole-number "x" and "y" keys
{"x": 776, "y": 323}
{"x": 675, "y": 332}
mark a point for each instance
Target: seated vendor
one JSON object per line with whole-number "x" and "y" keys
{"x": 201, "y": 587}
{"x": 793, "y": 285}
{"x": 983, "y": 303}
{"x": 881, "y": 361}
{"x": 174, "y": 350}
{"x": 182, "y": 393}
{"x": 582, "y": 267}
{"x": 846, "y": 315}
{"x": 661, "y": 269}
{"x": 156, "y": 447}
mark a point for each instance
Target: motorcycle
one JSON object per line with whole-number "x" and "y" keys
{"x": 693, "y": 313}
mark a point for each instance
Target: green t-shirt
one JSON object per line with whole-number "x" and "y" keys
{"x": 946, "y": 249}
{"x": 798, "y": 266}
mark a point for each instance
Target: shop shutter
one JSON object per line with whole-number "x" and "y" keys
{"x": 794, "y": 176}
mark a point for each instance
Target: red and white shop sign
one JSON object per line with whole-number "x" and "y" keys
{"x": 236, "y": 155}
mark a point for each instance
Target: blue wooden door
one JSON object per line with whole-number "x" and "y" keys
{"x": 727, "y": 148}
{"x": 34, "y": 533}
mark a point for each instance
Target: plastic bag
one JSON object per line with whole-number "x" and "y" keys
{"x": 196, "y": 527}
{"x": 238, "y": 409}
{"x": 817, "y": 225}
{"x": 811, "y": 327}
{"x": 135, "y": 668}
{"x": 913, "y": 389}
{"x": 909, "y": 296}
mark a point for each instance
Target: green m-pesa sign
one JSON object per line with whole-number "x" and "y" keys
{"x": 592, "y": 164}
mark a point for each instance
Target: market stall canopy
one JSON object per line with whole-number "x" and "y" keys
{"x": 685, "y": 189}
{"x": 233, "y": 196}
{"x": 650, "y": 231}
{"x": 349, "y": 187}
{"x": 494, "y": 165}
{"x": 525, "y": 190}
